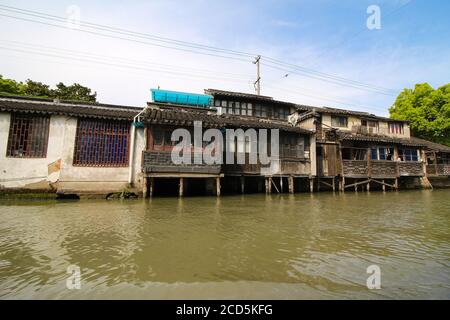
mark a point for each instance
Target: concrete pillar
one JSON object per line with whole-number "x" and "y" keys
{"x": 181, "y": 187}
{"x": 218, "y": 186}
{"x": 368, "y": 186}
{"x": 333, "y": 181}
{"x": 311, "y": 184}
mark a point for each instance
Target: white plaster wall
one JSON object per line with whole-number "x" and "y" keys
{"x": 30, "y": 173}
{"x": 96, "y": 180}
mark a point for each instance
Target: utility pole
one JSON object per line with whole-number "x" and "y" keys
{"x": 257, "y": 83}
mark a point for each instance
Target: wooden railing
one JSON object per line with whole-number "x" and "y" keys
{"x": 438, "y": 170}
{"x": 161, "y": 162}
{"x": 381, "y": 169}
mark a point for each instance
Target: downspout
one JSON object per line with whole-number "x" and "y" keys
{"x": 136, "y": 119}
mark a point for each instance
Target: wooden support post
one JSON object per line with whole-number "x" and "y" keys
{"x": 151, "y": 186}
{"x": 383, "y": 186}
{"x": 436, "y": 171}
{"x": 242, "y": 184}
{"x": 281, "y": 184}
{"x": 311, "y": 184}
{"x": 291, "y": 184}
{"x": 269, "y": 183}
{"x": 145, "y": 188}
{"x": 181, "y": 187}
{"x": 356, "y": 186}
{"x": 396, "y": 184}
{"x": 218, "y": 186}
{"x": 343, "y": 184}
{"x": 368, "y": 186}
{"x": 334, "y": 184}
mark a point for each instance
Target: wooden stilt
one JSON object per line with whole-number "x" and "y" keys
{"x": 396, "y": 184}
{"x": 181, "y": 187}
{"x": 311, "y": 184}
{"x": 269, "y": 184}
{"x": 334, "y": 184}
{"x": 151, "y": 186}
{"x": 383, "y": 186}
{"x": 291, "y": 184}
{"x": 242, "y": 184}
{"x": 368, "y": 186}
{"x": 356, "y": 186}
{"x": 145, "y": 188}
{"x": 218, "y": 186}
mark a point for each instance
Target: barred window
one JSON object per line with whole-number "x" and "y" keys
{"x": 102, "y": 143}
{"x": 28, "y": 136}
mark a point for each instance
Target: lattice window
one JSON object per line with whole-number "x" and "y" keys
{"x": 101, "y": 143}
{"x": 28, "y": 136}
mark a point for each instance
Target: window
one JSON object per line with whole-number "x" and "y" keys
{"x": 382, "y": 153}
{"x": 408, "y": 155}
{"x": 28, "y": 136}
{"x": 339, "y": 121}
{"x": 395, "y": 127}
{"x": 260, "y": 111}
{"x": 101, "y": 143}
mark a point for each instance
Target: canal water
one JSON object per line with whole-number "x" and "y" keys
{"x": 300, "y": 246}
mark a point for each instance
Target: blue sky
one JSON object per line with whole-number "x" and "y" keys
{"x": 411, "y": 47}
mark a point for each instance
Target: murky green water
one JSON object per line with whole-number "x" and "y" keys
{"x": 253, "y": 246}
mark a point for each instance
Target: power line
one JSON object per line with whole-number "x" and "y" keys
{"x": 329, "y": 79}
{"x": 117, "y": 65}
{"x": 307, "y": 72}
{"x": 120, "y": 59}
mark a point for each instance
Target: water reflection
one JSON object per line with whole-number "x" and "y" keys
{"x": 253, "y": 246}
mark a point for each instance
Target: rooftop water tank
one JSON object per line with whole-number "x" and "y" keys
{"x": 185, "y": 98}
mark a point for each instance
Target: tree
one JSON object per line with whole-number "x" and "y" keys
{"x": 428, "y": 109}
{"x": 37, "y": 89}
{"x": 11, "y": 86}
{"x": 32, "y": 88}
{"x": 74, "y": 92}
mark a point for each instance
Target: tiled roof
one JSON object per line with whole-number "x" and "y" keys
{"x": 381, "y": 138}
{"x": 432, "y": 145}
{"x": 182, "y": 117}
{"x": 78, "y": 109}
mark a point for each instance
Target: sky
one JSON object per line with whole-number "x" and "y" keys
{"x": 333, "y": 58}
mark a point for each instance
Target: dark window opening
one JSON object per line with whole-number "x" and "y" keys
{"x": 339, "y": 121}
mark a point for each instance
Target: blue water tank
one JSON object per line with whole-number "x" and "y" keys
{"x": 191, "y": 99}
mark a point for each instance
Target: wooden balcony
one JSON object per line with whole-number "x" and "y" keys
{"x": 161, "y": 162}
{"x": 438, "y": 170}
{"x": 381, "y": 169}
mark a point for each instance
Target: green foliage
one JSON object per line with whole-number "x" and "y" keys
{"x": 428, "y": 109}
{"x": 31, "y": 88}
{"x": 37, "y": 89}
{"x": 11, "y": 86}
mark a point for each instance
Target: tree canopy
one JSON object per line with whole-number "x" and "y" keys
{"x": 428, "y": 109}
{"x": 38, "y": 89}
